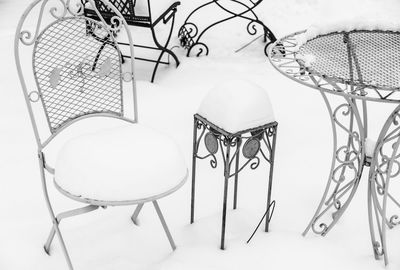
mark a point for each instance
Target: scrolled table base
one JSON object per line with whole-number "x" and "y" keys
{"x": 348, "y": 160}
{"x": 385, "y": 166}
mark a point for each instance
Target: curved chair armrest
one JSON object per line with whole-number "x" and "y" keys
{"x": 167, "y": 14}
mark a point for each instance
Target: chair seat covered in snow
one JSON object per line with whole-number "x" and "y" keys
{"x": 117, "y": 166}
{"x": 237, "y": 120}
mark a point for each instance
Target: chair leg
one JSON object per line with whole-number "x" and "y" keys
{"x": 164, "y": 48}
{"x": 51, "y": 212}
{"x": 63, "y": 215}
{"x": 164, "y": 224}
{"x": 136, "y": 214}
{"x": 49, "y": 240}
{"x": 271, "y": 173}
{"x": 226, "y": 182}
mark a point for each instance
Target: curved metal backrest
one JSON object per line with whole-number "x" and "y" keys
{"x": 76, "y": 65}
{"x": 126, "y": 7}
{"x": 77, "y": 68}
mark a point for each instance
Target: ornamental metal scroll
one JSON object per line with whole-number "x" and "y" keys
{"x": 64, "y": 45}
{"x": 190, "y": 36}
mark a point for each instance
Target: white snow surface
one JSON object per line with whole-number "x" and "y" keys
{"x": 107, "y": 239}
{"x": 237, "y": 105}
{"x": 131, "y": 163}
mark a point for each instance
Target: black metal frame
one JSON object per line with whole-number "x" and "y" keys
{"x": 190, "y": 36}
{"x": 127, "y": 9}
{"x": 215, "y": 140}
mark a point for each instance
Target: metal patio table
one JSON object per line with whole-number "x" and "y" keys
{"x": 355, "y": 68}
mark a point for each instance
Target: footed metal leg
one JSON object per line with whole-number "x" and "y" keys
{"x": 384, "y": 166}
{"x": 164, "y": 224}
{"x": 136, "y": 213}
{"x": 226, "y": 174}
{"x": 194, "y": 157}
{"x": 271, "y": 173}
{"x": 346, "y": 168}
{"x": 236, "y": 174}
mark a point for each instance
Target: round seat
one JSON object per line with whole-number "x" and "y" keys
{"x": 120, "y": 166}
{"x": 236, "y": 106}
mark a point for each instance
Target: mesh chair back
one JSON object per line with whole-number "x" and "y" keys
{"x": 71, "y": 84}
{"x": 76, "y": 62}
{"x": 126, "y": 7}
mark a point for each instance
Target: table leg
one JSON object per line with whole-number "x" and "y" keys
{"x": 385, "y": 165}
{"x": 346, "y": 167}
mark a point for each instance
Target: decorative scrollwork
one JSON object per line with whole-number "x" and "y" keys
{"x": 198, "y": 49}
{"x": 189, "y": 34}
{"x": 34, "y": 96}
{"x": 77, "y": 8}
{"x": 211, "y": 143}
{"x": 287, "y": 63}
{"x": 217, "y": 141}
{"x": 321, "y": 229}
{"x": 251, "y": 148}
{"x": 348, "y": 163}
{"x": 61, "y": 12}
{"x": 394, "y": 220}
{"x": 58, "y": 10}
{"x": 252, "y": 27}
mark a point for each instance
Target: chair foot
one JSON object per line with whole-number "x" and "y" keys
{"x": 135, "y": 215}
{"x": 164, "y": 224}
{"x": 46, "y": 250}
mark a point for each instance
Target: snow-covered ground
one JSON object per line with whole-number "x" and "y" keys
{"x": 108, "y": 239}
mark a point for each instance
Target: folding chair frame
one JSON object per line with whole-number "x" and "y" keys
{"x": 28, "y": 38}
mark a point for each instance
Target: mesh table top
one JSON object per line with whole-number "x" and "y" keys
{"x": 362, "y": 63}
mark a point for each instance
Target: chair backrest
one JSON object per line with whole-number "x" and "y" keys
{"x": 126, "y": 7}
{"x": 76, "y": 65}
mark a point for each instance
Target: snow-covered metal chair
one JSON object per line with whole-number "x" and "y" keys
{"x": 141, "y": 13}
{"x": 235, "y": 119}
{"x": 126, "y": 165}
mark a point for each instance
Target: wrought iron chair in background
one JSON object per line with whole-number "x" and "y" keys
{"x": 241, "y": 125}
{"x": 140, "y": 13}
{"x": 110, "y": 167}
{"x": 190, "y": 34}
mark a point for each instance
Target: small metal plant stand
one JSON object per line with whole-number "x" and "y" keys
{"x": 191, "y": 35}
{"x": 253, "y": 145}
{"x": 350, "y": 69}
{"x": 150, "y": 21}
